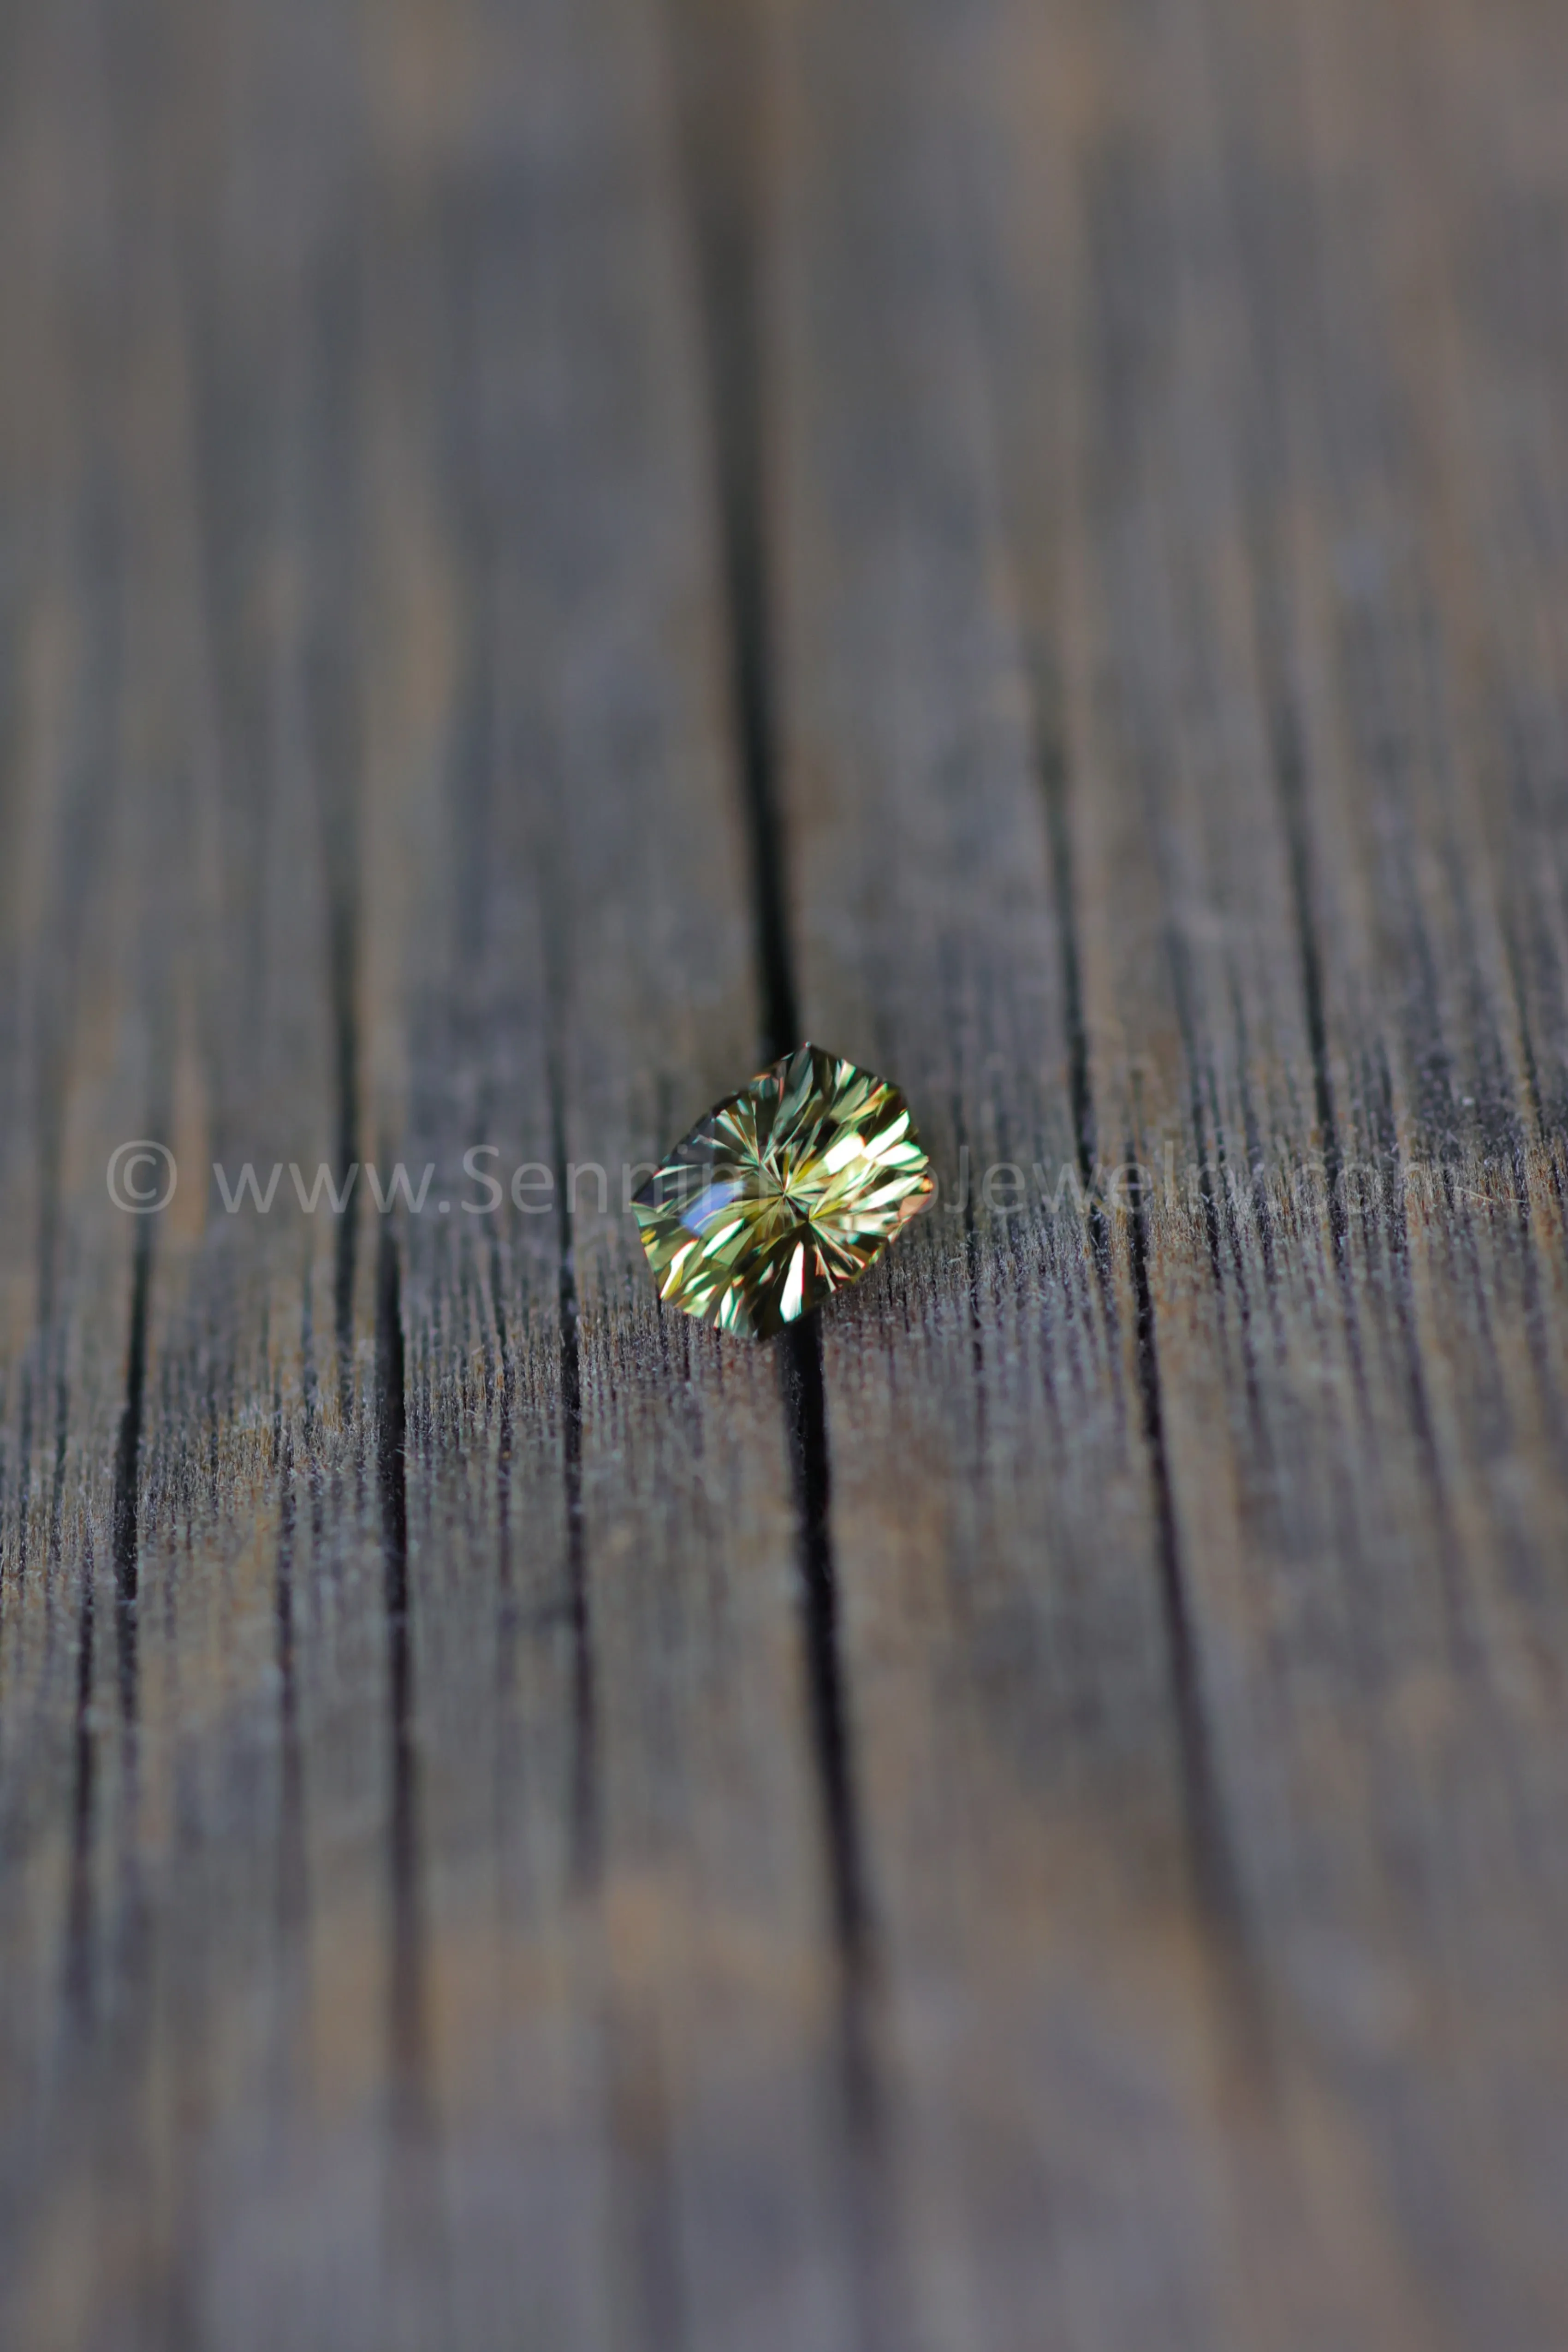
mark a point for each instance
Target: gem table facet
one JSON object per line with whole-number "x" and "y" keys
{"x": 783, "y": 1193}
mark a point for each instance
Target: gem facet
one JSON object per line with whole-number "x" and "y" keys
{"x": 783, "y": 1193}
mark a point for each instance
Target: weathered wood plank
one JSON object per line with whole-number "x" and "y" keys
{"x": 462, "y": 729}
{"x": 577, "y": 532}
{"x": 1025, "y": 1706}
{"x": 544, "y": 551}
{"x": 1257, "y": 649}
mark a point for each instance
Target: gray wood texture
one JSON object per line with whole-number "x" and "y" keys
{"x": 548, "y": 550}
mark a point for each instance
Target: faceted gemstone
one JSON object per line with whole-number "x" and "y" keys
{"x": 785, "y": 1193}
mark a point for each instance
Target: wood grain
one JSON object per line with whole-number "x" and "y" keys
{"x": 545, "y": 553}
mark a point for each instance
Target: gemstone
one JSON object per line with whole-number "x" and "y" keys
{"x": 783, "y": 1195}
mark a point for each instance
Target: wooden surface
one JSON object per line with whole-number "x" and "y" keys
{"x": 548, "y": 550}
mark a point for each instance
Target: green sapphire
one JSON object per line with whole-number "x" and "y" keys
{"x": 783, "y": 1195}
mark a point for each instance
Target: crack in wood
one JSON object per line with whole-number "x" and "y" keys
{"x": 1051, "y": 768}
{"x": 125, "y": 1538}
{"x": 406, "y": 1991}
{"x": 724, "y": 204}
{"x": 292, "y": 1888}
{"x": 84, "y": 1788}
{"x": 585, "y": 1824}
{"x": 1213, "y": 1862}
